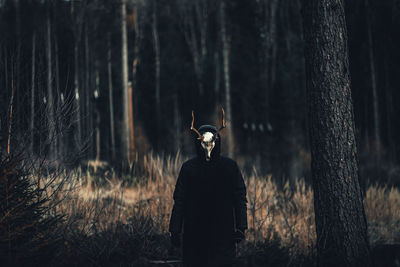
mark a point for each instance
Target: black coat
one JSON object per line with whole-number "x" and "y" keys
{"x": 210, "y": 203}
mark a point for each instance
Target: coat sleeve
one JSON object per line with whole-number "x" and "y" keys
{"x": 176, "y": 221}
{"x": 239, "y": 199}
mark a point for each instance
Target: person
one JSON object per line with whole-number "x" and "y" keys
{"x": 209, "y": 213}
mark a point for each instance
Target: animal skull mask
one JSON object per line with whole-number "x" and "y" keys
{"x": 207, "y": 139}
{"x": 208, "y": 143}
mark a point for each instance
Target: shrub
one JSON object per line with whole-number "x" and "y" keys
{"x": 28, "y": 230}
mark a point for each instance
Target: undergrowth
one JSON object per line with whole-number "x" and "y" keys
{"x": 103, "y": 219}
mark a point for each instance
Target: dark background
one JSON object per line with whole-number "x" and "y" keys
{"x": 267, "y": 77}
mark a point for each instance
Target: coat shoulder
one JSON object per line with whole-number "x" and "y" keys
{"x": 189, "y": 164}
{"x": 229, "y": 162}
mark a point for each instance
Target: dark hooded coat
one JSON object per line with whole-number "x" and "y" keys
{"x": 209, "y": 204}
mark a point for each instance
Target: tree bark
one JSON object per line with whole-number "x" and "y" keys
{"x": 225, "y": 56}
{"x": 110, "y": 96}
{"x": 339, "y": 213}
{"x": 125, "y": 87}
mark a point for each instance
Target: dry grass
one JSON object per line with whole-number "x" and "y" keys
{"x": 144, "y": 204}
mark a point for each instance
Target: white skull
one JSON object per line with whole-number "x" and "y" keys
{"x": 208, "y": 143}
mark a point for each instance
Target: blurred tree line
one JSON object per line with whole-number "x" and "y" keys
{"x": 116, "y": 78}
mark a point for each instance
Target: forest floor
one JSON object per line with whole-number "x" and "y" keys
{"x": 123, "y": 220}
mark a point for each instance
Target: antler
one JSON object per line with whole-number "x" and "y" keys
{"x": 223, "y": 122}
{"x": 194, "y": 129}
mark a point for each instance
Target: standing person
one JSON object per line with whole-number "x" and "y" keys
{"x": 209, "y": 204}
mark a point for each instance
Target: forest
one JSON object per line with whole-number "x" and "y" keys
{"x": 95, "y": 123}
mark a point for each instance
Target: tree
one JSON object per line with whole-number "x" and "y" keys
{"x": 157, "y": 64}
{"x": 32, "y": 122}
{"x": 110, "y": 96}
{"x": 339, "y": 213}
{"x": 77, "y": 18}
{"x": 194, "y": 16}
{"x": 227, "y": 82}
{"x": 125, "y": 85}
{"x": 377, "y": 135}
{"x": 50, "y": 99}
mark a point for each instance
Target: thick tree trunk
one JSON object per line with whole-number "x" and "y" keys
{"x": 156, "y": 43}
{"x": 125, "y": 87}
{"x": 110, "y": 96}
{"x": 339, "y": 213}
{"x": 225, "y": 56}
{"x": 32, "y": 122}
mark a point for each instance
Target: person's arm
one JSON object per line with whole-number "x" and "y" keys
{"x": 239, "y": 200}
{"x": 176, "y": 221}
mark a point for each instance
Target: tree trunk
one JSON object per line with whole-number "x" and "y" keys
{"x": 339, "y": 213}
{"x": 50, "y": 99}
{"x": 177, "y": 121}
{"x": 133, "y": 86}
{"x": 225, "y": 55}
{"x": 57, "y": 67}
{"x": 125, "y": 87}
{"x": 32, "y": 122}
{"x": 156, "y": 42}
{"x": 377, "y": 137}
{"x": 217, "y": 76}
{"x": 93, "y": 109}
{"x": 131, "y": 124}
{"x": 198, "y": 48}
{"x": 88, "y": 94}
{"x": 78, "y": 134}
{"x": 97, "y": 132}
{"x": 110, "y": 96}
{"x": 17, "y": 74}
{"x": 10, "y": 116}
{"x": 389, "y": 115}
{"x": 60, "y": 142}
{"x": 77, "y": 34}
{"x": 6, "y": 66}
{"x": 269, "y": 40}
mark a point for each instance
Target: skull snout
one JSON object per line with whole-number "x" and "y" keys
{"x": 208, "y": 147}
